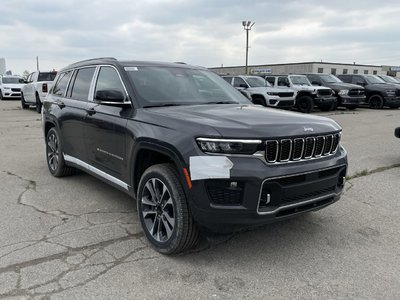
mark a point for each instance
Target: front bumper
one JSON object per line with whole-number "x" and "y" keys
{"x": 347, "y": 100}
{"x": 283, "y": 102}
{"x": 257, "y": 193}
{"x": 12, "y": 93}
{"x": 324, "y": 101}
{"x": 392, "y": 100}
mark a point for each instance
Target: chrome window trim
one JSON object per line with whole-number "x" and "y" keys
{"x": 90, "y": 168}
{"x": 298, "y": 203}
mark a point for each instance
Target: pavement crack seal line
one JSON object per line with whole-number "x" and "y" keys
{"x": 366, "y": 172}
{"x": 81, "y": 266}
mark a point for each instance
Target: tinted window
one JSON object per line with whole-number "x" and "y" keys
{"x": 109, "y": 80}
{"x": 271, "y": 80}
{"x": 80, "y": 90}
{"x": 283, "y": 81}
{"x": 345, "y": 78}
{"x": 237, "y": 82}
{"x": 344, "y": 71}
{"x": 358, "y": 80}
{"x": 62, "y": 82}
{"x": 365, "y": 72}
{"x": 355, "y": 71}
{"x": 320, "y": 70}
{"x": 228, "y": 79}
{"x": 47, "y": 76}
{"x": 333, "y": 71}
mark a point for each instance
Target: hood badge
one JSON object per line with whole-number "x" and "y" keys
{"x": 308, "y": 129}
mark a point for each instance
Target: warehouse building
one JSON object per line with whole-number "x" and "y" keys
{"x": 309, "y": 67}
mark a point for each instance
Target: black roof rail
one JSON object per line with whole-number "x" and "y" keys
{"x": 98, "y": 58}
{"x": 180, "y": 62}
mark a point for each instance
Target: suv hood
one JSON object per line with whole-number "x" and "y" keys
{"x": 238, "y": 121}
{"x": 342, "y": 85}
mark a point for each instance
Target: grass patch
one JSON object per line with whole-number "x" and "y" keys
{"x": 365, "y": 172}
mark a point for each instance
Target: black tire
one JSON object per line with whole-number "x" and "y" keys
{"x": 23, "y": 103}
{"x": 376, "y": 102}
{"x": 38, "y": 104}
{"x": 260, "y": 101}
{"x": 351, "y": 107}
{"x": 54, "y": 155}
{"x": 164, "y": 212}
{"x": 305, "y": 104}
{"x": 1, "y": 96}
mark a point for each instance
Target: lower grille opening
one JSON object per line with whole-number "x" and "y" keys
{"x": 302, "y": 208}
{"x": 225, "y": 192}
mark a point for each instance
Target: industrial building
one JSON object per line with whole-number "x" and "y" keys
{"x": 309, "y": 67}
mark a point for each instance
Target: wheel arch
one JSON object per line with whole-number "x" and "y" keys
{"x": 147, "y": 154}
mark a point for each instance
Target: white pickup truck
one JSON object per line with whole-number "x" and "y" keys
{"x": 35, "y": 91}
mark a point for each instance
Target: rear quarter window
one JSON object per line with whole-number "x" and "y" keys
{"x": 83, "y": 79}
{"x": 62, "y": 83}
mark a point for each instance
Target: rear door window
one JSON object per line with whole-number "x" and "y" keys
{"x": 239, "y": 82}
{"x": 83, "y": 79}
{"x": 62, "y": 83}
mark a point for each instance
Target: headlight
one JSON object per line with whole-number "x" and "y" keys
{"x": 343, "y": 92}
{"x": 228, "y": 146}
{"x": 272, "y": 94}
{"x": 7, "y": 88}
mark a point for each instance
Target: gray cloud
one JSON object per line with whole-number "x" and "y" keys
{"x": 204, "y": 32}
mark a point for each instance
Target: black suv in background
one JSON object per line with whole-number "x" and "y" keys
{"x": 193, "y": 151}
{"x": 378, "y": 92}
{"x": 348, "y": 95}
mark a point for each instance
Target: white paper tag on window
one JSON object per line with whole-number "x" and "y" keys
{"x": 131, "y": 69}
{"x": 208, "y": 167}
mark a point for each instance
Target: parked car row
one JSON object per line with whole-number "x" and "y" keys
{"x": 325, "y": 91}
{"x": 31, "y": 91}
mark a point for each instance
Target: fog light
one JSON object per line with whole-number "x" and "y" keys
{"x": 233, "y": 184}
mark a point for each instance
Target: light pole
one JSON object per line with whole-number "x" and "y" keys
{"x": 247, "y": 26}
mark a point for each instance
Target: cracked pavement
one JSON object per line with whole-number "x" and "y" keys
{"x": 78, "y": 238}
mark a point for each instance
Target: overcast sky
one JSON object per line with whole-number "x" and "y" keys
{"x": 207, "y": 33}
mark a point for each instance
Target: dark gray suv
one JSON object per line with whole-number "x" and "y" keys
{"x": 192, "y": 150}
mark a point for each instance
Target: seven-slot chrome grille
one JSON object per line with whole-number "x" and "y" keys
{"x": 295, "y": 149}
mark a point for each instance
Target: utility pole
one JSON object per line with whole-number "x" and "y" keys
{"x": 247, "y": 26}
{"x": 37, "y": 63}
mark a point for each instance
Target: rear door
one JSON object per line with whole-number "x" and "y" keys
{"x": 105, "y": 130}
{"x": 73, "y": 104}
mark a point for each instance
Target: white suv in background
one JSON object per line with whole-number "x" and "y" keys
{"x": 10, "y": 86}
{"x": 261, "y": 92}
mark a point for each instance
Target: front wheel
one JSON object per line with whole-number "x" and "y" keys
{"x": 55, "y": 156}
{"x": 38, "y": 104}
{"x": 376, "y": 102}
{"x": 164, "y": 212}
{"x": 305, "y": 104}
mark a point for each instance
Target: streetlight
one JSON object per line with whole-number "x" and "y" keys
{"x": 247, "y": 26}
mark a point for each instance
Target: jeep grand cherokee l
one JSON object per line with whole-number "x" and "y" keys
{"x": 193, "y": 151}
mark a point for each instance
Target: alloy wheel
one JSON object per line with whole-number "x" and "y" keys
{"x": 52, "y": 151}
{"x": 158, "y": 210}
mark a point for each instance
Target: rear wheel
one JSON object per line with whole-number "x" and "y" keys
{"x": 376, "y": 102}
{"x": 55, "y": 156}
{"x": 38, "y": 104}
{"x": 1, "y": 95}
{"x": 164, "y": 212}
{"x": 305, "y": 104}
{"x": 23, "y": 103}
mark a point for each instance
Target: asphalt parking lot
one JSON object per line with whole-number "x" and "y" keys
{"x": 78, "y": 238}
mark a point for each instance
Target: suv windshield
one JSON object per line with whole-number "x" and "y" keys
{"x": 372, "y": 79}
{"x": 389, "y": 79}
{"x": 12, "y": 80}
{"x": 47, "y": 76}
{"x": 299, "y": 79}
{"x": 163, "y": 86}
{"x": 256, "y": 81}
{"x": 329, "y": 78}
